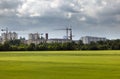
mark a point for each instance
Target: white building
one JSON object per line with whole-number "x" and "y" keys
{"x": 12, "y": 36}
{"x": 33, "y": 38}
{"x": 89, "y": 39}
{"x": 36, "y": 38}
{"x": 9, "y": 36}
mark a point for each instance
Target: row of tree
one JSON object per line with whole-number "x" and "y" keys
{"x": 17, "y": 45}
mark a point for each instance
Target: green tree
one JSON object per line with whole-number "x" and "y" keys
{"x": 32, "y": 47}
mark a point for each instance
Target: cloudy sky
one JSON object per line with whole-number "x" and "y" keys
{"x": 86, "y": 17}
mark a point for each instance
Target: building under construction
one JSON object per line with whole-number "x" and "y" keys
{"x": 37, "y": 38}
{"x": 68, "y": 33}
{"x": 8, "y": 35}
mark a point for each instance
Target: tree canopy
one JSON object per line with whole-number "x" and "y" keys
{"x": 17, "y": 45}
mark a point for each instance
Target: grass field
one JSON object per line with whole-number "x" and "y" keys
{"x": 60, "y": 65}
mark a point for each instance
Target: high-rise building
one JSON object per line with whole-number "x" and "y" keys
{"x": 33, "y": 38}
{"x": 9, "y": 36}
{"x": 89, "y": 39}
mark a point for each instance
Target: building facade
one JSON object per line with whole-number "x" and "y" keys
{"x": 89, "y": 39}
{"x": 57, "y": 40}
{"x": 33, "y": 38}
{"x": 9, "y": 36}
{"x": 36, "y": 38}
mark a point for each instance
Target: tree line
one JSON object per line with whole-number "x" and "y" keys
{"x": 17, "y": 45}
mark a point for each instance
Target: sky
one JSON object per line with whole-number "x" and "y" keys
{"x": 99, "y": 18}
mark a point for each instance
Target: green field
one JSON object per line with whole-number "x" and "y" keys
{"x": 60, "y": 65}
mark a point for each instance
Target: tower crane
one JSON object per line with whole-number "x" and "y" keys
{"x": 68, "y": 33}
{"x": 6, "y": 33}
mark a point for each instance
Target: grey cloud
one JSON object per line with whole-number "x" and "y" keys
{"x": 99, "y": 17}
{"x": 8, "y": 8}
{"x": 9, "y": 4}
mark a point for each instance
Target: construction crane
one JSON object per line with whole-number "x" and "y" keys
{"x": 68, "y": 33}
{"x": 6, "y": 34}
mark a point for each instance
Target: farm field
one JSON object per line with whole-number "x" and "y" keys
{"x": 60, "y": 65}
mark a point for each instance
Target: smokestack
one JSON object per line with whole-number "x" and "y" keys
{"x": 46, "y": 36}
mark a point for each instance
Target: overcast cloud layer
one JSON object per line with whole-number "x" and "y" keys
{"x": 87, "y": 17}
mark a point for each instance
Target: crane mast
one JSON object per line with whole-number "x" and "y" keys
{"x": 68, "y": 33}
{"x": 6, "y": 33}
